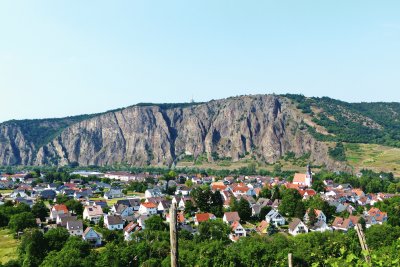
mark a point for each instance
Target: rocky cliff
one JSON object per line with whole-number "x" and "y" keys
{"x": 266, "y": 126}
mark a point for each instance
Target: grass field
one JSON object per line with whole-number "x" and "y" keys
{"x": 8, "y": 246}
{"x": 373, "y": 157}
{"x": 5, "y": 191}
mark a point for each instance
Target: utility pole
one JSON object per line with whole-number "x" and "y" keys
{"x": 363, "y": 243}
{"x": 173, "y": 231}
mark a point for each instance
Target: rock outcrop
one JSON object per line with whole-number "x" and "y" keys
{"x": 266, "y": 126}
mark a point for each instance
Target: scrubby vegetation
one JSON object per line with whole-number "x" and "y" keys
{"x": 376, "y": 123}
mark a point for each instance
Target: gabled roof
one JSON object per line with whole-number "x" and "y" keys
{"x": 232, "y": 216}
{"x": 114, "y": 219}
{"x": 293, "y": 224}
{"x": 149, "y": 205}
{"x": 60, "y": 207}
{"x": 74, "y": 225}
{"x": 132, "y": 227}
{"x": 94, "y": 210}
{"x": 235, "y": 225}
{"x": 202, "y": 217}
{"x": 299, "y": 178}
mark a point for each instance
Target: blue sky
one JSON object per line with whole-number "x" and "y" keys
{"x": 60, "y": 58}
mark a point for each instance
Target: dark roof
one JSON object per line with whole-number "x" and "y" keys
{"x": 114, "y": 219}
{"x": 74, "y": 225}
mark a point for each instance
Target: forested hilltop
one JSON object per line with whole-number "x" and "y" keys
{"x": 374, "y": 123}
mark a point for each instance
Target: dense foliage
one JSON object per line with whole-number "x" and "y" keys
{"x": 376, "y": 123}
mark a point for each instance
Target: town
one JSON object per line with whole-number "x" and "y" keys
{"x": 93, "y": 202}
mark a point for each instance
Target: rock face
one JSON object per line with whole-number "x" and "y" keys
{"x": 265, "y": 126}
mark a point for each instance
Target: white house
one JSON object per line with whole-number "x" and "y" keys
{"x": 274, "y": 217}
{"x": 296, "y": 226}
{"x": 231, "y": 217}
{"x": 148, "y": 208}
{"x": 130, "y": 229}
{"x": 57, "y": 210}
{"x": 113, "y": 222}
{"x": 75, "y": 228}
{"x": 93, "y": 213}
{"x": 155, "y": 192}
{"x": 237, "y": 231}
{"x": 319, "y": 216}
{"x": 113, "y": 193}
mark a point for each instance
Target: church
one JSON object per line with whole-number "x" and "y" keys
{"x": 303, "y": 179}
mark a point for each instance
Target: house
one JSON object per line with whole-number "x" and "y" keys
{"x": 148, "y": 208}
{"x": 319, "y": 216}
{"x": 218, "y": 186}
{"x": 231, "y": 217}
{"x": 343, "y": 224}
{"x": 142, "y": 220}
{"x": 48, "y": 194}
{"x": 303, "y": 179}
{"x": 91, "y": 236}
{"x": 237, "y": 231}
{"x": 319, "y": 226}
{"x": 130, "y": 229}
{"x": 182, "y": 190}
{"x": 155, "y": 192}
{"x": 75, "y": 228}
{"x": 296, "y": 226}
{"x": 180, "y": 218}
{"x": 163, "y": 206}
{"x": 182, "y": 202}
{"x": 63, "y": 219}
{"x": 202, "y": 217}
{"x": 113, "y": 193}
{"x": 274, "y": 217}
{"x": 57, "y": 210}
{"x": 93, "y": 213}
{"x": 113, "y": 222}
{"x": 262, "y": 228}
{"x": 377, "y": 216}
{"x": 133, "y": 203}
{"x": 239, "y": 189}
{"x": 122, "y": 210}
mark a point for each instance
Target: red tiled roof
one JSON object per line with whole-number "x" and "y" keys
{"x": 60, "y": 207}
{"x": 149, "y": 205}
{"x": 202, "y": 217}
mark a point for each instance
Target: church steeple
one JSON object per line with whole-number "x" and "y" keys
{"x": 308, "y": 181}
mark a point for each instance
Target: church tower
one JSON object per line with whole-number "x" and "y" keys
{"x": 308, "y": 180}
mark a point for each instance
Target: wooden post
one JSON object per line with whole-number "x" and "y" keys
{"x": 173, "y": 231}
{"x": 290, "y": 260}
{"x": 363, "y": 243}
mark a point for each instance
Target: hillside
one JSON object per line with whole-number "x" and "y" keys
{"x": 260, "y": 128}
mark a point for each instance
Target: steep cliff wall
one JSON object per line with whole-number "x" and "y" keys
{"x": 266, "y": 126}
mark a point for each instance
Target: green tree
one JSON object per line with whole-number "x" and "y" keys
{"x": 290, "y": 202}
{"x": 56, "y": 238}
{"x": 312, "y": 218}
{"x": 155, "y": 223}
{"x": 213, "y": 230}
{"x": 244, "y": 209}
{"x": 40, "y": 210}
{"x": 21, "y": 221}
{"x": 264, "y": 211}
{"x": 74, "y": 206}
{"x": 32, "y": 249}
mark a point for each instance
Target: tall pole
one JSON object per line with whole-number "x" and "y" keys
{"x": 290, "y": 260}
{"x": 173, "y": 231}
{"x": 363, "y": 243}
